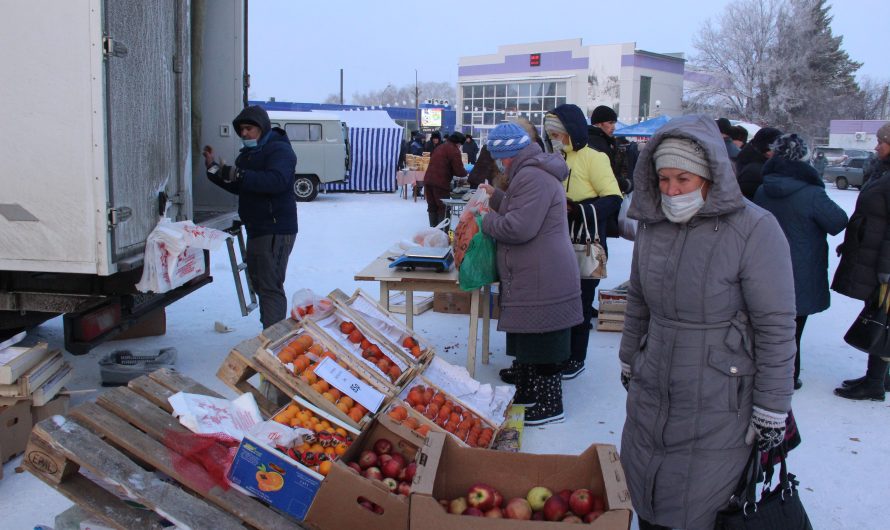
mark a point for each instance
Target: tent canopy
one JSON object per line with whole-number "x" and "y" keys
{"x": 644, "y": 128}
{"x": 374, "y": 140}
{"x": 365, "y": 119}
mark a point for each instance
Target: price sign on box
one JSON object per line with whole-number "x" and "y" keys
{"x": 350, "y": 385}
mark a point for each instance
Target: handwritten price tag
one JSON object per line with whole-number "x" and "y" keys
{"x": 363, "y": 393}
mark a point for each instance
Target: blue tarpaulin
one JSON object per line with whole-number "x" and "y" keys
{"x": 644, "y": 128}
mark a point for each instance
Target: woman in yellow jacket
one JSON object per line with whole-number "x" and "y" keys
{"x": 591, "y": 185}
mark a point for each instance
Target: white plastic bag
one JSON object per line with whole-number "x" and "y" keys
{"x": 433, "y": 237}
{"x": 209, "y": 415}
{"x": 306, "y": 304}
{"x": 627, "y": 228}
{"x": 174, "y": 254}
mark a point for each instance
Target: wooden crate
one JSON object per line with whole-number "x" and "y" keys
{"x": 119, "y": 441}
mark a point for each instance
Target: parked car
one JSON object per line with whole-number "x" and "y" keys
{"x": 849, "y": 173}
{"x": 833, "y": 155}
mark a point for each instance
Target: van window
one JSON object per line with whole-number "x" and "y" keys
{"x": 856, "y": 162}
{"x": 303, "y": 132}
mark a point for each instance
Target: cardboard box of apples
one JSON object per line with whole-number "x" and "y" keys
{"x": 517, "y": 490}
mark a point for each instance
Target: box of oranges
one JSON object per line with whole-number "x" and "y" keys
{"x": 289, "y": 477}
{"x": 359, "y": 338}
{"x": 422, "y": 407}
{"x": 385, "y": 327}
{"x": 292, "y": 361}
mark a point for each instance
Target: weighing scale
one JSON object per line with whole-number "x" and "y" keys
{"x": 439, "y": 259}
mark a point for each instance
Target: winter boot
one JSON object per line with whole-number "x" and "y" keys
{"x": 572, "y": 369}
{"x": 526, "y": 385}
{"x": 873, "y": 386}
{"x": 549, "y": 406}
{"x": 508, "y": 375}
{"x": 847, "y": 383}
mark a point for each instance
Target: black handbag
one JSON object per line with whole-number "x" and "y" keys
{"x": 870, "y": 332}
{"x": 777, "y": 509}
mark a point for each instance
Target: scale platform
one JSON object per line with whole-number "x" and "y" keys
{"x": 439, "y": 259}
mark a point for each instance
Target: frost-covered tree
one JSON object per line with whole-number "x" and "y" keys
{"x": 774, "y": 62}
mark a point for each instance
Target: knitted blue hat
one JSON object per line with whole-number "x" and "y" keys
{"x": 506, "y": 140}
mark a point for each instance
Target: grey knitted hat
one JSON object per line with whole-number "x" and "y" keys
{"x": 884, "y": 133}
{"x": 553, "y": 123}
{"x": 680, "y": 153}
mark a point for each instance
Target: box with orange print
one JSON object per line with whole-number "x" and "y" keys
{"x": 287, "y": 475}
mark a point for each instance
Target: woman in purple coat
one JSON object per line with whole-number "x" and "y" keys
{"x": 540, "y": 299}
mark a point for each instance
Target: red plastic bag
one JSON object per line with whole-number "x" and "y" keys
{"x": 467, "y": 226}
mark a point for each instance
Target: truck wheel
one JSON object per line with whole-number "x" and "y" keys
{"x": 841, "y": 183}
{"x": 305, "y": 188}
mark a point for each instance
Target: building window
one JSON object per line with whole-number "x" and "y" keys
{"x": 645, "y": 90}
{"x": 486, "y": 105}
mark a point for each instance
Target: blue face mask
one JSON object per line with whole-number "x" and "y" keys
{"x": 248, "y": 143}
{"x": 500, "y": 164}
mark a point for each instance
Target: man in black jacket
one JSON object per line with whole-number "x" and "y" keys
{"x": 600, "y": 138}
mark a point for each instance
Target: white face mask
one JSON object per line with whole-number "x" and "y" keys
{"x": 681, "y": 208}
{"x": 557, "y": 146}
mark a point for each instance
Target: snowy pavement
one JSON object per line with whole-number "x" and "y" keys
{"x": 843, "y": 463}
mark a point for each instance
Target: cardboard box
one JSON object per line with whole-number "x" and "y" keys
{"x": 459, "y": 303}
{"x": 447, "y": 470}
{"x": 15, "y": 426}
{"x": 288, "y": 485}
{"x": 58, "y": 405}
{"x": 336, "y": 503}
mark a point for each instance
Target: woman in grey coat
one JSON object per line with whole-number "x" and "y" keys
{"x": 540, "y": 298}
{"x": 707, "y": 353}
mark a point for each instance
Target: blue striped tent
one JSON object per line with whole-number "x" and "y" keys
{"x": 375, "y": 140}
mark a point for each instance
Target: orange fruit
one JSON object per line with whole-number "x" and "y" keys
{"x": 343, "y": 407}
{"x": 361, "y": 408}
{"x": 326, "y": 424}
{"x": 281, "y": 417}
{"x": 347, "y": 400}
{"x": 341, "y": 431}
{"x": 410, "y": 422}
{"x": 334, "y": 392}
{"x": 325, "y": 467}
{"x": 286, "y": 356}
{"x": 394, "y": 372}
{"x": 328, "y": 396}
{"x": 340, "y": 449}
{"x": 317, "y": 448}
{"x": 316, "y": 349}
{"x": 356, "y": 414}
{"x": 294, "y": 422}
{"x": 423, "y": 429}
{"x": 415, "y": 351}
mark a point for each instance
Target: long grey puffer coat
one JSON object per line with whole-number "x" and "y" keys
{"x": 709, "y": 332}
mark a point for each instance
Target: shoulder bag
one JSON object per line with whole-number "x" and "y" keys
{"x": 777, "y": 509}
{"x": 590, "y": 252}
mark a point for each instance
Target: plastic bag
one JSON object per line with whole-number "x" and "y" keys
{"x": 467, "y": 226}
{"x": 479, "y": 267}
{"x": 307, "y": 304}
{"x": 174, "y": 254}
{"x": 627, "y": 228}
{"x": 433, "y": 237}
{"x": 209, "y": 415}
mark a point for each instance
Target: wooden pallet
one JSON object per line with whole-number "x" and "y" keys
{"x": 239, "y": 366}
{"x": 118, "y": 440}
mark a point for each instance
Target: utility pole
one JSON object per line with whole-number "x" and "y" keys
{"x": 416, "y": 102}
{"x": 341, "y": 86}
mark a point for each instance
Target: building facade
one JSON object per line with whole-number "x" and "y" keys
{"x": 527, "y": 80}
{"x": 854, "y": 134}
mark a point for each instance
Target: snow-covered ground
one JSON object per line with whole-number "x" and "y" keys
{"x": 843, "y": 464}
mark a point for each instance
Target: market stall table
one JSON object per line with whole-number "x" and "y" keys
{"x": 437, "y": 282}
{"x": 404, "y": 178}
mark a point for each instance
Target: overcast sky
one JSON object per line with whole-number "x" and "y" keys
{"x": 296, "y": 48}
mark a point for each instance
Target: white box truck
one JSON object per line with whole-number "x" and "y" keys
{"x": 108, "y": 103}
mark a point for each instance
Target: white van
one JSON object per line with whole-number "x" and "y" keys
{"x": 322, "y": 146}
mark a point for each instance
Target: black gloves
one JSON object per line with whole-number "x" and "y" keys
{"x": 224, "y": 174}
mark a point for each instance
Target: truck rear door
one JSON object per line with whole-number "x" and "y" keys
{"x": 143, "y": 115}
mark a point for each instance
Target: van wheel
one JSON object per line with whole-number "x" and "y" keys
{"x": 841, "y": 183}
{"x": 305, "y": 188}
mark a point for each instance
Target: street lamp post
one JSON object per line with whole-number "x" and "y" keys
{"x": 416, "y": 102}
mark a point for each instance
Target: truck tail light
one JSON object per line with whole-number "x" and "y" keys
{"x": 90, "y": 325}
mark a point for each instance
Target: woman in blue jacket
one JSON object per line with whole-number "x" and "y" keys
{"x": 793, "y": 192}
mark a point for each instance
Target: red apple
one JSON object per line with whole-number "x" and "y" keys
{"x": 404, "y": 488}
{"x": 392, "y": 468}
{"x": 391, "y": 483}
{"x": 481, "y": 496}
{"x": 367, "y": 505}
{"x": 382, "y": 446}
{"x": 565, "y": 494}
{"x": 599, "y": 504}
{"x": 538, "y": 516}
{"x": 458, "y": 505}
{"x": 475, "y": 512}
{"x": 498, "y": 499}
{"x": 581, "y": 502}
{"x": 355, "y": 467}
{"x": 400, "y": 458}
{"x": 373, "y": 473}
{"x": 495, "y": 513}
{"x": 384, "y": 458}
{"x": 367, "y": 459}
{"x": 410, "y": 471}
{"x": 518, "y": 508}
{"x": 591, "y": 517}
{"x": 555, "y": 508}
{"x": 572, "y": 519}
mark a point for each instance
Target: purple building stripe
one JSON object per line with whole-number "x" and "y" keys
{"x": 653, "y": 63}
{"x": 519, "y": 64}
{"x": 855, "y": 126}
